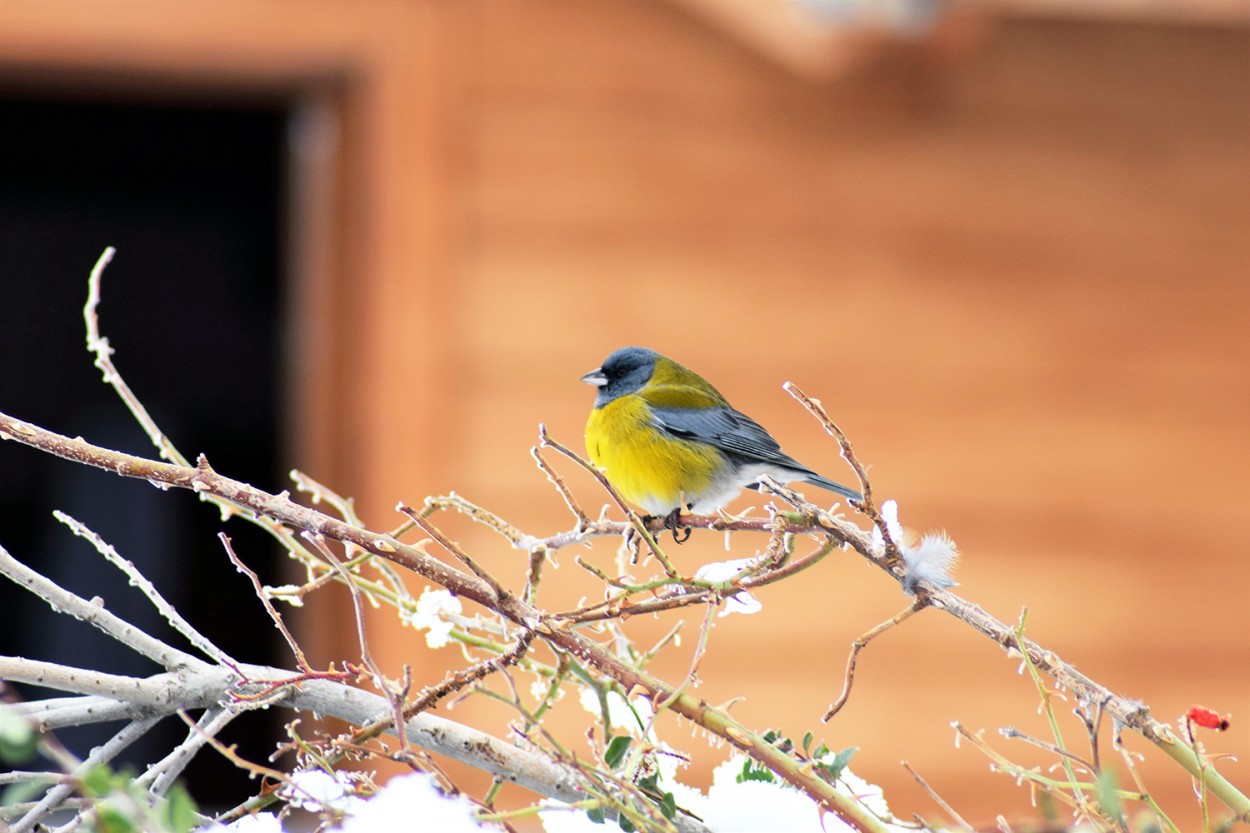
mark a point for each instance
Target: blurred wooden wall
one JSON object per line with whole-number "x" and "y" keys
{"x": 1019, "y": 280}
{"x": 1017, "y": 276}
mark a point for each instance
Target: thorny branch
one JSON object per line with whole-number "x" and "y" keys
{"x": 202, "y": 479}
{"x": 281, "y": 516}
{"x": 192, "y": 683}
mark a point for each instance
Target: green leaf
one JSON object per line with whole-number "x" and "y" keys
{"x": 98, "y": 782}
{"x": 18, "y": 739}
{"x": 751, "y": 771}
{"x": 596, "y": 814}
{"x": 179, "y": 810}
{"x": 843, "y": 758}
{"x": 626, "y": 825}
{"x": 1109, "y": 795}
{"x": 778, "y": 741}
{"x": 110, "y": 819}
{"x": 807, "y": 742}
{"x": 833, "y": 769}
{"x": 24, "y": 791}
{"x": 615, "y": 753}
{"x": 668, "y": 806}
{"x": 1047, "y": 806}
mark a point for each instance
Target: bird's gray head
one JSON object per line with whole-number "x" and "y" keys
{"x": 622, "y": 373}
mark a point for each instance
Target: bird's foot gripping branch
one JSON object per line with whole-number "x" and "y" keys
{"x": 521, "y": 650}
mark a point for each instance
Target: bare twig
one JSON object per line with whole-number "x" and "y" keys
{"x": 202, "y": 479}
{"x": 140, "y": 581}
{"x": 103, "y": 352}
{"x": 23, "y": 776}
{"x": 686, "y": 592}
{"x": 1147, "y": 798}
{"x": 1093, "y": 723}
{"x": 477, "y": 514}
{"x": 692, "y": 674}
{"x": 196, "y": 684}
{"x": 472, "y": 674}
{"x": 636, "y": 522}
{"x": 1068, "y": 790}
{"x": 858, "y": 645}
{"x": 93, "y": 613}
{"x": 229, "y": 753}
{"x": 161, "y": 775}
{"x": 950, "y": 811}
{"x": 62, "y": 677}
{"x": 556, "y": 480}
{"x": 844, "y": 444}
{"x": 1052, "y": 719}
{"x": 205, "y": 686}
{"x": 264, "y": 599}
{"x": 499, "y": 591}
{"x": 1012, "y": 733}
{"x": 348, "y": 579}
{"x": 318, "y": 492}
{"x": 868, "y": 506}
{"x": 394, "y": 693}
{"x": 538, "y": 557}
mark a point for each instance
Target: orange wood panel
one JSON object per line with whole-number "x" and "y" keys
{"x": 1019, "y": 282}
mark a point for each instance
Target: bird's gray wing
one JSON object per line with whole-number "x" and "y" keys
{"x": 741, "y": 439}
{"x": 733, "y": 432}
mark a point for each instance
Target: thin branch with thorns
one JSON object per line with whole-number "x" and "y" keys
{"x": 515, "y": 626}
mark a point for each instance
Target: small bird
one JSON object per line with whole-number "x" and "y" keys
{"x": 666, "y": 439}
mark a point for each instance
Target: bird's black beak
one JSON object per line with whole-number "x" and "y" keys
{"x": 596, "y": 378}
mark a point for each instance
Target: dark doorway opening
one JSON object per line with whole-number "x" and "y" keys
{"x": 193, "y": 196}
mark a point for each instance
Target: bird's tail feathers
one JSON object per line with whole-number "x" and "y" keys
{"x": 826, "y": 483}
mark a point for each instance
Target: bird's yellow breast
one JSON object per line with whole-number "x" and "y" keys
{"x": 648, "y": 467}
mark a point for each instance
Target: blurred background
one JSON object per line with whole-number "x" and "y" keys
{"x": 1006, "y": 243}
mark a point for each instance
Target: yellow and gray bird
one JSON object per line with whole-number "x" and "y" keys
{"x": 666, "y": 439}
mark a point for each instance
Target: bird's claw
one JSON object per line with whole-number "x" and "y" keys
{"x": 672, "y": 522}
